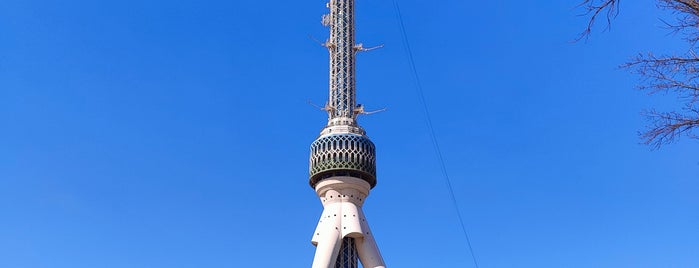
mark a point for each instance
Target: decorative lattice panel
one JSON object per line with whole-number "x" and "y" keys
{"x": 343, "y": 155}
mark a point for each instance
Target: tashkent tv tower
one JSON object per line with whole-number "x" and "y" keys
{"x": 343, "y": 159}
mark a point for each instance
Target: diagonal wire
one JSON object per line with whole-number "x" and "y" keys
{"x": 438, "y": 151}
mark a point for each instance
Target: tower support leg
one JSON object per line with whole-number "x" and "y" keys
{"x": 343, "y": 236}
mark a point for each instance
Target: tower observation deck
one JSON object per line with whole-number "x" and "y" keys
{"x": 343, "y": 159}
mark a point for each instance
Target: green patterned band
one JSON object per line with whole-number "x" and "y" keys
{"x": 343, "y": 155}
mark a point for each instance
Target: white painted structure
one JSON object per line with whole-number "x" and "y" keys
{"x": 342, "y": 198}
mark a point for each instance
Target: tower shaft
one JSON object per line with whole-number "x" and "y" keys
{"x": 342, "y": 97}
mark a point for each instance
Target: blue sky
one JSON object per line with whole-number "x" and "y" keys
{"x": 176, "y": 134}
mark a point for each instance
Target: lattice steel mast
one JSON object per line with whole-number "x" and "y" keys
{"x": 343, "y": 159}
{"x": 342, "y": 59}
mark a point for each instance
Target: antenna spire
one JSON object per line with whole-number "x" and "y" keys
{"x": 341, "y": 46}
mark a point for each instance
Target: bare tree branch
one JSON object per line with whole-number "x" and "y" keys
{"x": 676, "y": 74}
{"x": 667, "y": 73}
{"x": 668, "y": 127}
{"x": 687, "y": 20}
{"x": 595, "y": 8}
